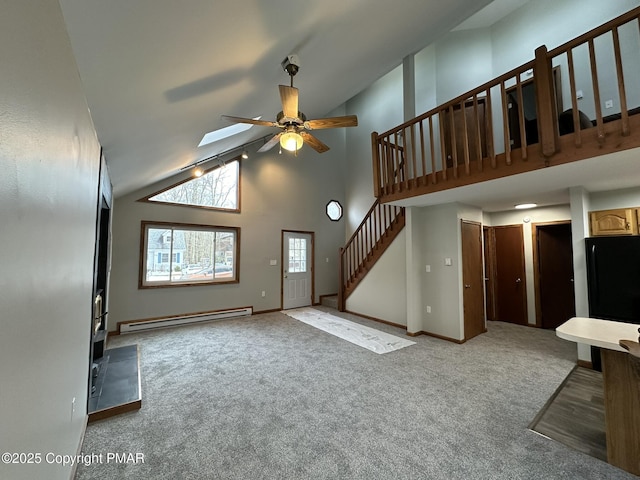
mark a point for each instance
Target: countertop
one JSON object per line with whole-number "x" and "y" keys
{"x": 597, "y": 332}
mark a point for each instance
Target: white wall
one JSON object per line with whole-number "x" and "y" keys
{"x": 49, "y": 163}
{"x": 382, "y": 293}
{"x": 527, "y": 218}
{"x": 437, "y": 237}
{"x": 379, "y": 108}
{"x": 279, "y": 192}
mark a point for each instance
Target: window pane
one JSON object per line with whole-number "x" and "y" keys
{"x": 217, "y": 188}
{"x": 297, "y": 255}
{"x": 198, "y": 255}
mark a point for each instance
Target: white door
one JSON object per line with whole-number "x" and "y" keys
{"x": 296, "y": 269}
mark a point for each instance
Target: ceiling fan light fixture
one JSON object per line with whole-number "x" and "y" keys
{"x": 291, "y": 141}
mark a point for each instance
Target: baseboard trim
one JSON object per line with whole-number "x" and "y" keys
{"x": 379, "y": 320}
{"x": 435, "y": 335}
{"x": 273, "y": 310}
{"x": 585, "y": 364}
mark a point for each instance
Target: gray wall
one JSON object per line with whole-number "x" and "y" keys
{"x": 49, "y": 163}
{"x": 279, "y": 192}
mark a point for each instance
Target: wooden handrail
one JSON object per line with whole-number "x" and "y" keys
{"x": 364, "y": 247}
{"x": 457, "y": 143}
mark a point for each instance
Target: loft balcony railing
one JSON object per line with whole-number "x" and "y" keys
{"x": 520, "y": 121}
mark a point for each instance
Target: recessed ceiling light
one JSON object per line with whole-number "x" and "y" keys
{"x": 524, "y": 206}
{"x": 225, "y": 132}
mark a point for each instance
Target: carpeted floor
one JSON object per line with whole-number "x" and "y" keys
{"x": 269, "y": 397}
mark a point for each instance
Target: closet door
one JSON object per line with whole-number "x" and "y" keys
{"x": 510, "y": 286}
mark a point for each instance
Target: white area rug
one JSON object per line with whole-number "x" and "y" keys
{"x": 369, "y": 338}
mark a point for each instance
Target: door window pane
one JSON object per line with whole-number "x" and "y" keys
{"x": 297, "y": 255}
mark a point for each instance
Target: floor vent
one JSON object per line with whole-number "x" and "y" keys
{"x": 140, "y": 325}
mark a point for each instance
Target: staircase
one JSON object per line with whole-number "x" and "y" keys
{"x": 377, "y": 231}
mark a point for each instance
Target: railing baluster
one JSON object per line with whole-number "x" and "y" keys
{"x": 414, "y": 173}
{"x": 423, "y": 161}
{"x": 624, "y": 114}
{"x": 476, "y": 117}
{"x": 465, "y": 134}
{"x": 490, "y": 150}
{"x": 596, "y": 91}
{"x": 505, "y": 124}
{"x": 434, "y": 173}
{"x": 523, "y": 131}
{"x": 454, "y": 143}
{"x": 574, "y": 100}
{"x": 442, "y": 118}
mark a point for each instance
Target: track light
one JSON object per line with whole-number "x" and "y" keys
{"x": 245, "y": 154}
{"x": 197, "y": 172}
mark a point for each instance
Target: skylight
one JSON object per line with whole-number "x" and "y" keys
{"x": 225, "y": 132}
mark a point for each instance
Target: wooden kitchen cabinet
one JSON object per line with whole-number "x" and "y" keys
{"x": 620, "y": 221}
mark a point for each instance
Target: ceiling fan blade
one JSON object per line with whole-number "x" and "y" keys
{"x": 264, "y": 123}
{"x": 332, "y": 122}
{"x": 289, "y": 97}
{"x": 271, "y": 143}
{"x": 314, "y": 143}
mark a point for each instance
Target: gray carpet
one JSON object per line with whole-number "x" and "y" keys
{"x": 268, "y": 397}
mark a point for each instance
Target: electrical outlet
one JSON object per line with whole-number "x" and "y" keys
{"x": 428, "y": 309}
{"x": 608, "y": 104}
{"x": 427, "y": 268}
{"x": 264, "y": 294}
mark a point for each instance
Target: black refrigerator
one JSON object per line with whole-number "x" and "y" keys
{"x": 613, "y": 276}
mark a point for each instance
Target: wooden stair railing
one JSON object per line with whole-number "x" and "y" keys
{"x": 484, "y": 135}
{"x": 376, "y": 232}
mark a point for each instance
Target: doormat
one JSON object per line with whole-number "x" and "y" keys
{"x": 366, "y": 337}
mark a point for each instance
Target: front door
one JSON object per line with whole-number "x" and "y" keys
{"x": 297, "y": 269}
{"x": 472, "y": 279}
{"x": 510, "y": 290}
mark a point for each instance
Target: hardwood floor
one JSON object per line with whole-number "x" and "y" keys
{"x": 574, "y": 415}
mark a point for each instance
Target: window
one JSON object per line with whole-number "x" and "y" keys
{"x": 334, "y": 210}
{"x": 297, "y": 255}
{"x": 218, "y": 188}
{"x": 199, "y": 254}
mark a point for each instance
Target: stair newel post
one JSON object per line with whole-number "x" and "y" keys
{"x": 375, "y": 155}
{"x": 545, "y": 102}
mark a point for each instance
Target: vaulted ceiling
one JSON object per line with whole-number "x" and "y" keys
{"x": 158, "y": 74}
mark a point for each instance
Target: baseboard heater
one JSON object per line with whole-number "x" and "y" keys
{"x": 139, "y": 325}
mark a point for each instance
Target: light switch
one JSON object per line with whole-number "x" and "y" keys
{"x": 447, "y": 262}
{"x": 273, "y": 262}
{"x": 427, "y": 268}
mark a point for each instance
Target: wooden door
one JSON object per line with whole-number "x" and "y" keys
{"x": 510, "y": 289}
{"x": 297, "y": 273}
{"x": 553, "y": 254}
{"x": 474, "y": 120}
{"x": 472, "y": 279}
{"x": 489, "y": 275}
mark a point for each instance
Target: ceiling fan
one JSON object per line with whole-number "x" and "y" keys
{"x": 292, "y": 122}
